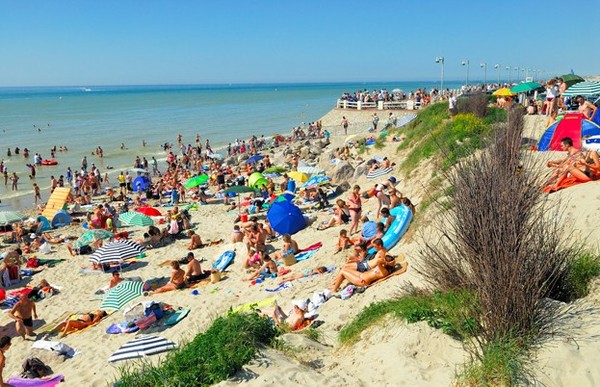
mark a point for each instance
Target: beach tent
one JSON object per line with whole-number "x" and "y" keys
{"x": 573, "y": 125}
{"x": 45, "y": 223}
{"x": 143, "y": 182}
{"x": 61, "y": 219}
{"x": 257, "y": 180}
{"x": 285, "y": 217}
{"x": 57, "y": 201}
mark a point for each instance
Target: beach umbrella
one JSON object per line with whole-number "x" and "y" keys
{"x": 238, "y": 189}
{"x": 275, "y": 169}
{"x": 583, "y": 88}
{"x": 310, "y": 170}
{"x": 137, "y": 170}
{"x": 316, "y": 180}
{"x": 285, "y": 217}
{"x": 526, "y": 87}
{"x": 254, "y": 159}
{"x": 195, "y": 181}
{"x": 287, "y": 196}
{"x": 298, "y": 176}
{"x": 133, "y": 218}
{"x": 122, "y": 294}
{"x": 91, "y": 236}
{"x": 503, "y": 92}
{"x": 572, "y": 125}
{"x": 149, "y": 211}
{"x": 142, "y": 346}
{"x": 571, "y": 79}
{"x": 8, "y": 217}
{"x": 140, "y": 183}
{"x": 117, "y": 251}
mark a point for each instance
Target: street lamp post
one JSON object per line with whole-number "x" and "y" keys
{"x": 497, "y": 67}
{"x": 523, "y": 70}
{"x": 484, "y": 67}
{"x": 509, "y": 74}
{"x": 440, "y": 59}
{"x": 466, "y": 63}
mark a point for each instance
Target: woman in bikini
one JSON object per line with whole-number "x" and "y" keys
{"x": 355, "y": 208}
{"x": 290, "y": 246}
{"x": 79, "y": 322}
{"x": 341, "y": 215}
{"x": 177, "y": 280}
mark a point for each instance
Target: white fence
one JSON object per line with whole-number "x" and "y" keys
{"x": 407, "y": 104}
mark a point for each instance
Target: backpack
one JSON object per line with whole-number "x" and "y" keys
{"x": 34, "y": 368}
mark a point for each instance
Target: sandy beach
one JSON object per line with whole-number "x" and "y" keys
{"x": 391, "y": 353}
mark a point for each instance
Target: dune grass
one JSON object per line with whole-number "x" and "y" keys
{"x": 453, "y": 312}
{"x": 575, "y": 282}
{"x": 212, "y": 356}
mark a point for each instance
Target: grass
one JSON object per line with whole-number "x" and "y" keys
{"x": 580, "y": 272}
{"x": 213, "y": 356}
{"x": 501, "y": 364}
{"x": 451, "y": 312}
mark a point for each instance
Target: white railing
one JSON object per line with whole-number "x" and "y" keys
{"x": 406, "y": 104}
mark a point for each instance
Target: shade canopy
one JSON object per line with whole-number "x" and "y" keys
{"x": 116, "y": 252}
{"x": 134, "y": 218}
{"x": 571, "y": 79}
{"x": 298, "y": 176}
{"x": 574, "y": 126}
{"x": 8, "y": 217}
{"x": 526, "y": 87}
{"x": 91, "y": 236}
{"x": 254, "y": 159}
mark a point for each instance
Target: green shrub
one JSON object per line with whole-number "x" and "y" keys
{"x": 576, "y": 278}
{"x": 455, "y": 313}
{"x": 213, "y": 356}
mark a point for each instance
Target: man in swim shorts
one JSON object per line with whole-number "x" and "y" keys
{"x": 22, "y": 313}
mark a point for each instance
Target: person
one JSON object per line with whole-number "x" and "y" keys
{"x": 345, "y": 124}
{"x": 295, "y": 319}
{"x": 122, "y": 183}
{"x": 355, "y": 208}
{"x": 341, "y": 215}
{"x": 567, "y": 164}
{"x": 4, "y": 346}
{"x": 369, "y": 230}
{"x": 115, "y": 280}
{"x": 15, "y": 180}
{"x": 379, "y": 269}
{"x": 36, "y": 194}
{"x": 23, "y": 313}
{"x": 268, "y": 268}
{"x": 586, "y": 108}
{"x": 237, "y": 235}
{"x": 386, "y": 218}
{"x": 343, "y": 241}
{"x": 452, "y": 105}
{"x": 177, "y": 280}
{"x": 290, "y": 246}
{"x": 195, "y": 240}
{"x": 194, "y": 272}
{"x": 80, "y": 322}
{"x": 304, "y": 274}
{"x": 375, "y": 120}
{"x": 383, "y": 200}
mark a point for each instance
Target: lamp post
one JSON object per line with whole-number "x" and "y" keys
{"x": 509, "y": 74}
{"x": 440, "y": 59}
{"x": 497, "y": 67}
{"x": 466, "y": 63}
{"x": 484, "y": 67}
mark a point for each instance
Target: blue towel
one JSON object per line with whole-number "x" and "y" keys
{"x": 283, "y": 286}
{"x": 305, "y": 255}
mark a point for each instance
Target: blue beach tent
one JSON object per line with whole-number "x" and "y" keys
{"x": 45, "y": 224}
{"x": 62, "y": 218}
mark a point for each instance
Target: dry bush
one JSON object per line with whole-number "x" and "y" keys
{"x": 476, "y": 104}
{"x": 499, "y": 239}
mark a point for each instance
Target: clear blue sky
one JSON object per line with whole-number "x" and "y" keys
{"x": 81, "y": 42}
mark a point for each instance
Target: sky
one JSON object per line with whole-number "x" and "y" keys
{"x": 114, "y": 42}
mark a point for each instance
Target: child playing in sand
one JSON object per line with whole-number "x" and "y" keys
{"x": 343, "y": 241}
{"x": 266, "y": 270}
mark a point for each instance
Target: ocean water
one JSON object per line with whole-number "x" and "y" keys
{"x": 83, "y": 118}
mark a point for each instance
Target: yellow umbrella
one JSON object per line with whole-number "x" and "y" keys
{"x": 503, "y": 92}
{"x": 298, "y": 176}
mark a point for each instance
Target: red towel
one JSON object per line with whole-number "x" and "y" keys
{"x": 314, "y": 246}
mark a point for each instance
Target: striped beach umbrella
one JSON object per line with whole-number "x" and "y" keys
{"x": 122, "y": 294}
{"x": 91, "y": 236}
{"x": 316, "y": 180}
{"x": 310, "y": 170}
{"x": 117, "y": 251}
{"x": 133, "y": 218}
{"x": 8, "y": 217}
{"x": 583, "y": 88}
{"x": 142, "y": 346}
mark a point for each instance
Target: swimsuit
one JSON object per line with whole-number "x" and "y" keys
{"x": 199, "y": 277}
{"x": 28, "y": 322}
{"x": 363, "y": 266}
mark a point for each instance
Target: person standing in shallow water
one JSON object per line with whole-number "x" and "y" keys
{"x": 15, "y": 180}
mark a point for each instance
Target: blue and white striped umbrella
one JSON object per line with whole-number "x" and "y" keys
{"x": 120, "y": 295}
{"x": 116, "y": 252}
{"x": 583, "y": 88}
{"x": 142, "y": 346}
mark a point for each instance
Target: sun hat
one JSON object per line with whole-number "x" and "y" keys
{"x": 392, "y": 180}
{"x": 300, "y": 304}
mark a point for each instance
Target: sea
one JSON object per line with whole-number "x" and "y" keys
{"x": 82, "y": 118}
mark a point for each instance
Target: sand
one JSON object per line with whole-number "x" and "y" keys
{"x": 391, "y": 353}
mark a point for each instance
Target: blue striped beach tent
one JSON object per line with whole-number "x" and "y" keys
{"x": 142, "y": 346}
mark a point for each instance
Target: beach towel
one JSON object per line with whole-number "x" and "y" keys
{"x": 378, "y": 172}
{"x": 314, "y": 246}
{"x": 45, "y": 382}
{"x": 400, "y": 268}
{"x": 51, "y": 325}
{"x": 122, "y": 327}
{"x": 305, "y": 255}
{"x": 283, "y": 286}
{"x": 258, "y": 304}
{"x": 9, "y": 302}
{"x": 49, "y": 262}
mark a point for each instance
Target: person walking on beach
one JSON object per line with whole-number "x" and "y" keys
{"x": 15, "y": 180}
{"x": 23, "y": 313}
{"x": 375, "y": 120}
{"x": 36, "y": 194}
{"x": 345, "y": 124}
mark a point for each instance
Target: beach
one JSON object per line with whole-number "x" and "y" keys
{"x": 389, "y": 353}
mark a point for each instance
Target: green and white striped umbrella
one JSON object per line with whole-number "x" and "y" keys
{"x": 583, "y": 88}
{"x": 134, "y": 218}
{"x": 91, "y": 236}
{"x": 122, "y": 294}
{"x": 8, "y": 217}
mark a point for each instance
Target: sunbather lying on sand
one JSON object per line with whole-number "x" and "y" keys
{"x": 304, "y": 274}
{"x": 79, "y": 322}
{"x": 177, "y": 280}
{"x": 295, "y": 319}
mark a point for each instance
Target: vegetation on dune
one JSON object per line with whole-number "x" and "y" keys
{"x": 211, "y": 357}
{"x": 574, "y": 281}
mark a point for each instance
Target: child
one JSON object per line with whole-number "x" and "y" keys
{"x": 266, "y": 270}
{"x": 343, "y": 241}
{"x": 305, "y": 274}
{"x": 237, "y": 235}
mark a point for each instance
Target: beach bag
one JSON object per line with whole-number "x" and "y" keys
{"x": 156, "y": 310}
{"x": 33, "y": 262}
{"x": 34, "y": 368}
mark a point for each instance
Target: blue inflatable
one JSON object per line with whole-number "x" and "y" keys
{"x": 402, "y": 218}
{"x": 224, "y": 260}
